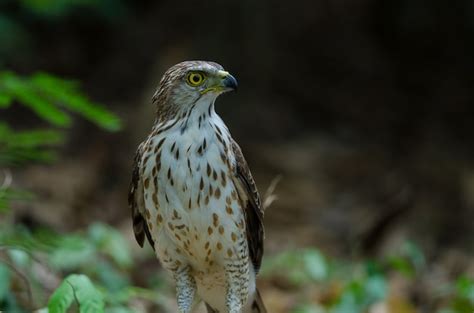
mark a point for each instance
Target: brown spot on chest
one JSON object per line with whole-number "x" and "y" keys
{"x": 223, "y": 179}
{"x": 217, "y": 193}
{"x": 215, "y": 219}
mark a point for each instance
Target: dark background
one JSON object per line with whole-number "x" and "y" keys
{"x": 365, "y": 109}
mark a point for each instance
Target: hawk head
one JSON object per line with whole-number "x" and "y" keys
{"x": 188, "y": 84}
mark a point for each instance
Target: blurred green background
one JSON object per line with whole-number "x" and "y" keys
{"x": 363, "y": 108}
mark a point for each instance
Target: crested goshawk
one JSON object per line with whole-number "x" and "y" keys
{"x": 193, "y": 196}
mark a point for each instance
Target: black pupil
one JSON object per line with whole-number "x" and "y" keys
{"x": 195, "y": 78}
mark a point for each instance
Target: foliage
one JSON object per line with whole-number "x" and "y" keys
{"x": 45, "y": 94}
{"x": 105, "y": 285}
{"x": 20, "y": 147}
{"x": 79, "y": 288}
{"x": 53, "y": 100}
{"x": 463, "y": 299}
{"x": 325, "y": 285}
{"x": 299, "y": 267}
{"x": 34, "y": 261}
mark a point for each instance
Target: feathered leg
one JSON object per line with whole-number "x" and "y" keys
{"x": 185, "y": 290}
{"x": 238, "y": 275}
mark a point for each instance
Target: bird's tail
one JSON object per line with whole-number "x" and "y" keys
{"x": 257, "y": 305}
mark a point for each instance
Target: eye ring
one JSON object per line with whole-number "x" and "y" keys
{"x": 195, "y": 79}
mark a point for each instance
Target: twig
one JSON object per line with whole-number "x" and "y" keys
{"x": 269, "y": 196}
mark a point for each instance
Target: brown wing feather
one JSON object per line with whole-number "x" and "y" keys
{"x": 248, "y": 193}
{"x": 136, "y": 203}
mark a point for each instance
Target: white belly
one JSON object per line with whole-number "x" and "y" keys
{"x": 195, "y": 215}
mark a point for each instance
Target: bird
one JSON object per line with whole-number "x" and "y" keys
{"x": 193, "y": 197}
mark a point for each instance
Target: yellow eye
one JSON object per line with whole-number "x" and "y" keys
{"x": 195, "y": 78}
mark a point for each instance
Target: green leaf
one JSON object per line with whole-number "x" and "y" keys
{"x": 27, "y": 94}
{"x": 8, "y": 195}
{"x": 62, "y": 298}
{"x": 44, "y": 93}
{"x": 19, "y": 147}
{"x": 5, "y": 100}
{"x": 89, "y": 298}
{"x": 80, "y": 288}
{"x": 67, "y": 94}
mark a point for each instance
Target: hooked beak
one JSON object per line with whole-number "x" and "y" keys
{"x": 223, "y": 82}
{"x": 230, "y": 82}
